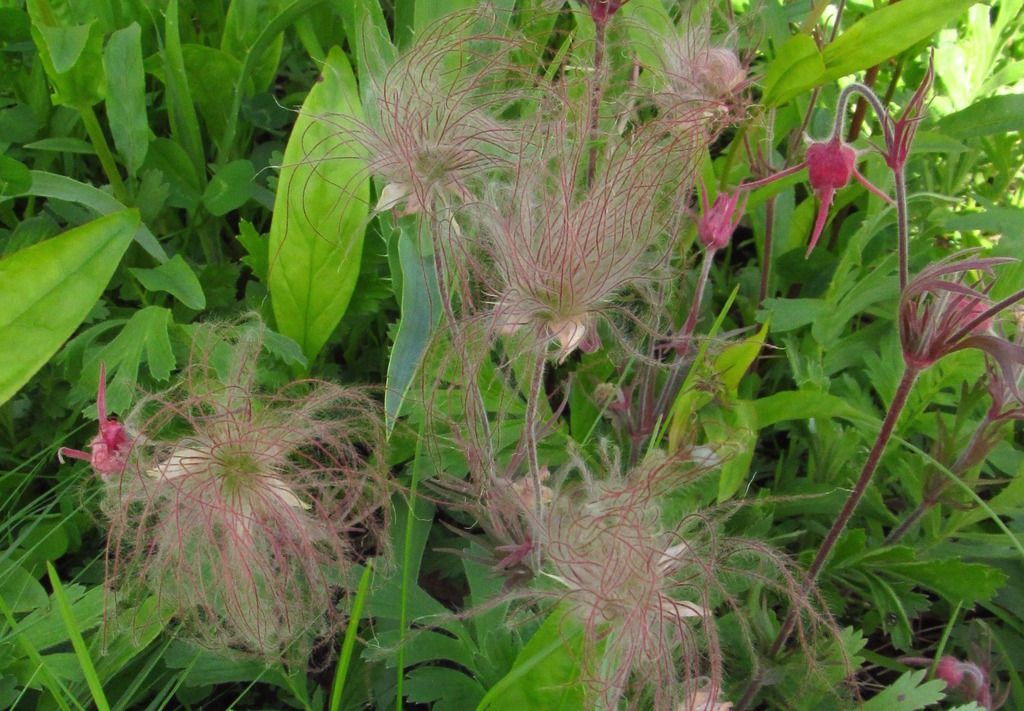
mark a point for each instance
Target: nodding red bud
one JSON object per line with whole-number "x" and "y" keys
{"x": 950, "y": 671}
{"x": 108, "y": 450}
{"x": 830, "y": 165}
{"x": 720, "y": 220}
{"x": 602, "y": 10}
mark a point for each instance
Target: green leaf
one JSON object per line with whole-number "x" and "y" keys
{"x": 51, "y": 185}
{"x": 908, "y": 693}
{"x": 450, "y": 689}
{"x": 790, "y": 314}
{"x": 421, "y": 309}
{"x": 19, "y": 590}
{"x": 46, "y": 290}
{"x": 546, "y": 674}
{"x": 802, "y": 405}
{"x": 71, "y": 55}
{"x": 180, "y": 106}
{"x": 316, "y": 237}
{"x": 64, "y": 44}
{"x": 887, "y": 32}
{"x": 995, "y": 114}
{"x": 797, "y": 67}
{"x": 144, "y": 339}
{"x": 230, "y": 188}
{"x": 211, "y": 79}
{"x": 15, "y": 177}
{"x": 177, "y": 279}
{"x": 242, "y": 26}
{"x": 126, "y": 95}
{"x": 953, "y": 579}
{"x": 255, "y": 245}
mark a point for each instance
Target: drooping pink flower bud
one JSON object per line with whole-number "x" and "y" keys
{"x": 948, "y": 669}
{"x": 720, "y": 220}
{"x": 602, "y": 10}
{"x": 830, "y": 165}
{"x": 108, "y": 450}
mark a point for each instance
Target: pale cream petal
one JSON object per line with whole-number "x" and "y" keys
{"x": 284, "y": 492}
{"x": 184, "y": 460}
{"x": 391, "y": 195}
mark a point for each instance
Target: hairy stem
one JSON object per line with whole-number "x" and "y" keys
{"x": 595, "y": 100}
{"x": 870, "y": 465}
{"x": 902, "y": 225}
{"x": 766, "y": 263}
{"x": 530, "y": 431}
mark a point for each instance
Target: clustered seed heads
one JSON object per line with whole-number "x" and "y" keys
{"x": 243, "y": 511}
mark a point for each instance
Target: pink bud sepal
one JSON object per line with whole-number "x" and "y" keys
{"x": 108, "y": 450}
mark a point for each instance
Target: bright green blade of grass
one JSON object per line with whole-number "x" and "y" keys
{"x": 81, "y": 651}
{"x": 338, "y": 687}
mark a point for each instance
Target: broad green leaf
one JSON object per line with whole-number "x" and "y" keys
{"x": 242, "y": 26}
{"x": 955, "y": 580}
{"x": 177, "y": 279}
{"x": 427, "y": 12}
{"x": 367, "y": 32}
{"x": 421, "y": 309}
{"x": 44, "y": 629}
{"x": 444, "y": 689}
{"x": 797, "y": 67}
{"x": 71, "y": 55}
{"x": 790, "y": 314}
{"x": 126, "y": 95}
{"x": 19, "y": 590}
{"x": 63, "y": 145}
{"x": 742, "y": 421}
{"x": 802, "y": 405}
{"x": 176, "y": 168}
{"x": 546, "y": 674}
{"x": 316, "y": 237}
{"x": 15, "y": 177}
{"x": 46, "y": 290}
{"x": 180, "y": 105}
{"x": 144, "y": 339}
{"x": 61, "y": 187}
{"x": 995, "y": 114}
{"x": 229, "y": 188}
{"x": 212, "y": 74}
{"x": 887, "y": 32}
{"x": 735, "y": 359}
{"x": 908, "y": 693}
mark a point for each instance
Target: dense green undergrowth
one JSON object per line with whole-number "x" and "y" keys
{"x": 555, "y": 355}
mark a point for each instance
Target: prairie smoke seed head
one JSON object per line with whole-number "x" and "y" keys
{"x": 241, "y": 505}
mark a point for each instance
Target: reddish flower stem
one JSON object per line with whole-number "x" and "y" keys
{"x": 595, "y": 100}
{"x": 870, "y": 465}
